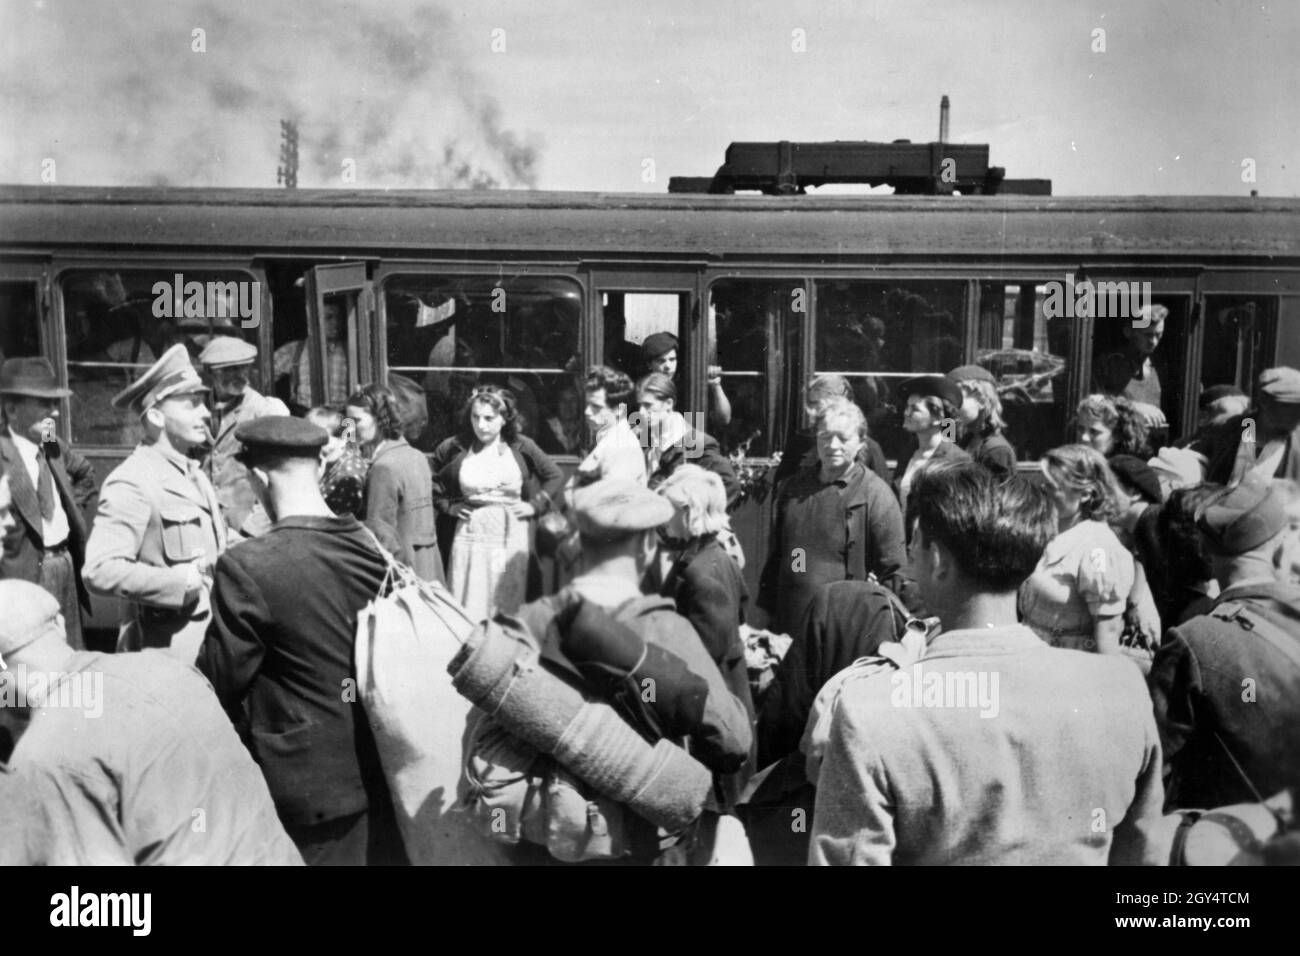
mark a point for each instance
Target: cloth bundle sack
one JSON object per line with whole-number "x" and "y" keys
{"x": 516, "y": 793}
{"x": 502, "y": 675}
{"x": 405, "y": 639}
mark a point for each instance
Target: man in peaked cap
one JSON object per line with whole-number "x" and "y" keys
{"x": 279, "y": 652}
{"x": 228, "y": 361}
{"x": 49, "y": 485}
{"x": 1226, "y": 684}
{"x": 159, "y": 530}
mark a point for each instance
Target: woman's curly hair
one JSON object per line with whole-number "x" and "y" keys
{"x": 380, "y": 402}
{"x": 1081, "y": 468}
{"x": 501, "y": 399}
{"x": 1128, "y": 427}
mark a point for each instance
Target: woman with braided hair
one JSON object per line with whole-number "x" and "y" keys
{"x": 399, "y": 485}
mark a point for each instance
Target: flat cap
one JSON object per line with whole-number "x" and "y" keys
{"x": 940, "y": 386}
{"x": 1280, "y": 385}
{"x": 965, "y": 373}
{"x": 613, "y": 508}
{"x": 225, "y": 350}
{"x": 281, "y": 435}
{"x": 170, "y": 375}
{"x": 1183, "y": 467}
{"x": 1136, "y": 473}
{"x": 1240, "y": 519}
{"x": 30, "y": 612}
{"x": 660, "y": 343}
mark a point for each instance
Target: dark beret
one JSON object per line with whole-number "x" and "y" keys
{"x": 660, "y": 343}
{"x": 1136, "y": 473}
{"x": 939, "y": 386}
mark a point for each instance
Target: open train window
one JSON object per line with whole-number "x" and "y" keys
{"x": 19, "y": 320}
{"x": 751, "y": 322}
{"x": 450, "y": 333}
{"x": 120, "y": 321}
{"x": 1027, "y": 349}
{"x": 878, "y": 332}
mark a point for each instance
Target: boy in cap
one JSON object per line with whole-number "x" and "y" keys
{"x": 1226, "y": 684}
{"x": 659, "y": 352}
{"x": 1266, "y": 439}
{"x": 280, "y": 649}
{"x": 121, "y": 754}
{"x": 49, "y": 485}
{"x": 228, "y": 362}
{"x": 159, "y": 528}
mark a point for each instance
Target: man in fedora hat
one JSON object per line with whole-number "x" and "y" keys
{"x": 49, "y": 484}
{"x": 159, "y": 530}
{"x": 227, "y": 362}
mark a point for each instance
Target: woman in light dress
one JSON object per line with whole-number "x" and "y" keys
{"x": 490, "y": 482}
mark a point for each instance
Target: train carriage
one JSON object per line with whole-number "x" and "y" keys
{"x": 445, "y": 289}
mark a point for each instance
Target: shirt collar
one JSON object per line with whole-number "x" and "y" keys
{"x": 23, "y": 443}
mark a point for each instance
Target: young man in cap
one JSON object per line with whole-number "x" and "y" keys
{"x": 1226, "y": 684}
{"x": 127, "y": 758}
{"x": 228, "y": 362}
{"x": 49, "y": 484}
{"x": 992, "y": 747}
{"x": 1266, "y": 439}
{"x": 280, "y": 648}
{"x": 159, "y": 529}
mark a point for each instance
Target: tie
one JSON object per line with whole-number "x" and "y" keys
{"x": 44, "y": 485}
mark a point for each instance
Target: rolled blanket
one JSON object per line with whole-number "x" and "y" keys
{"x": 499, "y": 673}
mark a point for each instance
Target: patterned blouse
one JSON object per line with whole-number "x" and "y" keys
{"x": 344, "y": 484}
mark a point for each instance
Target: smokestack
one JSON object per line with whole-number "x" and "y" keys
{"x": 943, "y": 119}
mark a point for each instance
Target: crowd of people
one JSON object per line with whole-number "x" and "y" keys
{"x": 965, "y": 664}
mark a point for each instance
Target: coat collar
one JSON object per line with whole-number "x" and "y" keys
{"x": 175, "y": 474}
{"x": 984, "y": 642}
{"x": 386, "y": 446}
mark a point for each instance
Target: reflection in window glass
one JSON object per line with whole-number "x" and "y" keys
{"x": 747, "y": 318}
{"x": 879, "y": 332}
{"x": 1028, "y": 354}
{"x": 450, "y": 333}
{"x": 1234, "y": 339}
{"x": 117, "y": 326}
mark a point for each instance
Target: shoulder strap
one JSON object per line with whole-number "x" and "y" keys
{"x": 1260, "y": 623}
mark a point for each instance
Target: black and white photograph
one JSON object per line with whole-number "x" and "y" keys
{"x": 576, "y": 434}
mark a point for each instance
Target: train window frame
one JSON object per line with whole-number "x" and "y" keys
{"x": 62, "y": 266}
{"x": 394, "y": 270}
{"x": 36, "y": 275}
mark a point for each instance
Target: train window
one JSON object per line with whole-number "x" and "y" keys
{"x": 119, "y": 322}
{"x": 632, "y": 317}
{"x": 293, "y": 360}
{"x": 749, "y": 322}
{"x": 450, "y": 333}
{"x": 19, "y": 320}
{"x": 1028, "y": 353}
{"x": 876, "y": 333}
{"x": 1236, "y": 330}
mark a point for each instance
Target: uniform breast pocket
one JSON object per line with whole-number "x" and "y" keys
{"x": 183, "y": 535}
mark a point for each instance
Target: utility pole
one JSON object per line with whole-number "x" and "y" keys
{"x": 287, "y": 173}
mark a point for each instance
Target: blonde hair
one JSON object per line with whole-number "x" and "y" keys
{"x": 701, "y": 493}
{"x": 1081, "y": 468}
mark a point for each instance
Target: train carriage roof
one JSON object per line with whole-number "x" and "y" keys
{"x": 594, "y": 225}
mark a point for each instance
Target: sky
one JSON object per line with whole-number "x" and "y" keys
{"x": 1155, "y": 97}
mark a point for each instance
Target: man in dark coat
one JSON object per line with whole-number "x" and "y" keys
{"x": 1226, "y": 684}
{"x": 279, "y": 653}
{"x": 50, "y": 484}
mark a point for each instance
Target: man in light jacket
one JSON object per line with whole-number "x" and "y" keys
{"x": 992, "y": 748}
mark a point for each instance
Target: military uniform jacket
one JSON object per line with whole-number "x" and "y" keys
{"x": 74, "y": 483}
{"x": 1217, "y": 687}
{"x": 229, "y": 477}
{"x": 157, "y": 514}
